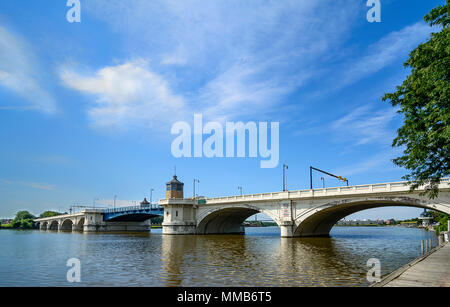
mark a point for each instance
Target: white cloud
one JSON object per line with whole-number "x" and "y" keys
{"x": 226, "y": 59}
{"x": 20, "y": 73}
{"x": 127, "y": 95}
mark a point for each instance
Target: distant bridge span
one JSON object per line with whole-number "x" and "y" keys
{"x": 297, "y": 213}
{"x": 133, "y": 219}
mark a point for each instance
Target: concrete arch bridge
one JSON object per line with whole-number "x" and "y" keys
{"x": 132, "y": 219}
{"x": 297, "y": 213}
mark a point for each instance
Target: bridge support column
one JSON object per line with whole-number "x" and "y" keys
{"x": 77, "y": 228}
{"x": 180, "y": 228}
{"x": 287, "y": 229}
{"x": 179, "y": 217}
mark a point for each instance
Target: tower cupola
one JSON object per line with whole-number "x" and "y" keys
{"x": 174, "y": 188}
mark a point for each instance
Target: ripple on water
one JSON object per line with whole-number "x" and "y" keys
{"x": 260, "y": 258}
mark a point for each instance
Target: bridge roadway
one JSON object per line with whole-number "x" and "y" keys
{"x": 297, "y": 213}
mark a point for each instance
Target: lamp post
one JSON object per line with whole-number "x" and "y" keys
{"x": 285, "y": 167}
{"x": 151, "y": 195}
{"x": 240, "y": 189}
{"x": 198, "y": 181}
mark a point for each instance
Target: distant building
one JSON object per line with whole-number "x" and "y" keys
{"x": 145, "y": 203}
{"x": 390, "y": 222}
{"x": 426, "y": 218}
{"x": 365, "y": 222}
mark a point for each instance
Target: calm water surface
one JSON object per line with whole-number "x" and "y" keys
{"x": 260, "y": 258}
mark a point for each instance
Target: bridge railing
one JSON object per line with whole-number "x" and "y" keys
{"x": 133, "y": 208}
{"x": 356, "y": 189}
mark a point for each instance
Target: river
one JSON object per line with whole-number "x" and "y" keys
{"x": 259, "y": 258}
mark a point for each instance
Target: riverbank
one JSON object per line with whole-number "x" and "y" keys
{"x": 429, "y": 270}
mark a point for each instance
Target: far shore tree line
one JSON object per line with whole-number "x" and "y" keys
{"x": 25, "y": 220}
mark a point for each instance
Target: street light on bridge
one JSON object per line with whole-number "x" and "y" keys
{"x": 240, "y": 189}
{"x": 285, "y": 167}
{"x": 198, "y": 181}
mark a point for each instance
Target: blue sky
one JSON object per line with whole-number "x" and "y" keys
{"x": 86, "y": 108}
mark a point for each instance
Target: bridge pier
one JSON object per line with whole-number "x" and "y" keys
{"x": 118, "y": 227}
{"x": 75, "y": 227}
{"x": 179, "y": 228}
{"x": 287, "y": 229}
{"x": 179, "y": 217}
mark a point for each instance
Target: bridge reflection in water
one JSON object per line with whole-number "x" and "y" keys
{"x": 260, "y": 258}
{"x": 267, "y": 260}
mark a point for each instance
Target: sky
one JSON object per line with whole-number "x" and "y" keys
{"x": 86, "y": 108}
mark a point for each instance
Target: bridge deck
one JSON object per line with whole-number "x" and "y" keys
{"x": 367, "y": 189}
{"x": 432, "y": 270}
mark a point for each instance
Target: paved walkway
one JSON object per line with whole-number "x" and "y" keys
{"x": 432, "y": 270}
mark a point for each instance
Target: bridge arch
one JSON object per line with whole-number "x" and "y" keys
{"x": 67, "y": 225}
{"x": 53, "y": 225}
{"x": 81, "y": 223}
{"x": 319, "y": 221}
{"x": 228, "y": 220}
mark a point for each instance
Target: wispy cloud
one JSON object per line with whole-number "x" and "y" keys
{"x": 365, "y": 125}
{"x": 395, "y": 45}
{"x": 33, "y": 185}
{"x": 20, "y": 73}
{"x": 226, "y": 59}
{"x": 381, "y": 162}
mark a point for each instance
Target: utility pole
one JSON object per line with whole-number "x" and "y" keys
{"x": 285, "y": 167}
{"x": 326, "y": 173}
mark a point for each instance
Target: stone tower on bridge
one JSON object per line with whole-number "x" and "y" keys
{"x": 174, "y": 188}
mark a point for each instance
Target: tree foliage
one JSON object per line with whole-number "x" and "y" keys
{"x": 23, "y": 220}
{"x": 424, "y": 101}
{"x": 49, "y": 214}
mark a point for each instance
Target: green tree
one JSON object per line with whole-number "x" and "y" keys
{"x": 23, "y": 220}
{"x": 49, "y": 214}
{"x": 424, "y": 100}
